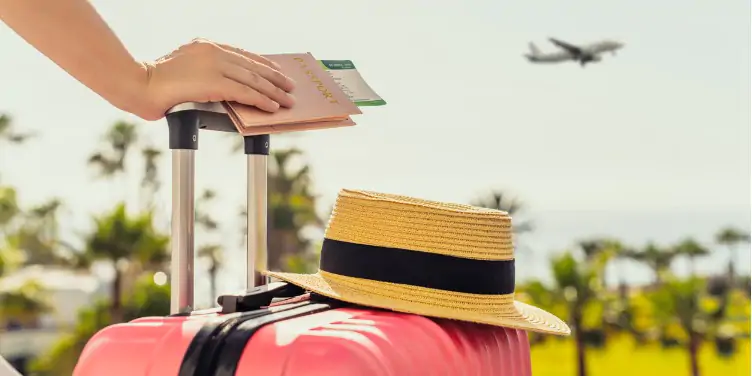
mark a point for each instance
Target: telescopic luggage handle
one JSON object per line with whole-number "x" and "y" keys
{"x": 184, "y": 122}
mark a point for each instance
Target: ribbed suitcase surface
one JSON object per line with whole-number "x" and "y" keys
{"x": 343, "y": 341}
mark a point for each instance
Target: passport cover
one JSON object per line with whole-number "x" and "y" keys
{"x": 319, "y": 101}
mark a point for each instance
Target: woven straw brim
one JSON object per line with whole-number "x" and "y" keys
{"x": 498, "y": 310}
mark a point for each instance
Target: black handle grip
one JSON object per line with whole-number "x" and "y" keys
{"x": 183, "y": 127}
{"x": 258, "y": 145}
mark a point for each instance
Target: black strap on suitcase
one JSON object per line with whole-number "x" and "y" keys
{"x": 218, "y": 346}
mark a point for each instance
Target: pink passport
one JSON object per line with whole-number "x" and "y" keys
{"x": 319, "y": 102}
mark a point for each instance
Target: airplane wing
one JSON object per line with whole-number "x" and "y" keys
{"x": 572, "y": 49}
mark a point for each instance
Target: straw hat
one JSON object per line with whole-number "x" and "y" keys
{"x": 429, "y": 258}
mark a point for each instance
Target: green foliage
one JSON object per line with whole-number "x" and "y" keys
{"x": 569, "y": 274}
{"x": 731, "y": 236}
{"x": 147, "y": 299}
{"x": 24, "y": 304}
{"x": 8, "y": 132}
{"x": 32, "y": 233}
{"x": 9, "y": 208}
{"x": 678, "y": 302}
{"x": 291, "y": 207}
{"x": 658, "y": 258}
{"x": 37, "y": 235}
{"x": 123, "y": 239}
{"x": 304, "y": 262}
{"x": 119, "y": 236}
{"x": 691, "y": 248}
{"x": 110, "y": 160}
{"x": 10, "y": 259}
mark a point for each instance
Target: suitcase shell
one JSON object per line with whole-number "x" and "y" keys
{"x": 345, "y": 341}
{"x": 338, "y": 342}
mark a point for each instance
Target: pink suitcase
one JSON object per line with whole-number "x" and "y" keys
{"x": 275, "y": 328}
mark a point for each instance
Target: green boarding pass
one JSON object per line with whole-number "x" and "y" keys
{"x": 352, "y": 83}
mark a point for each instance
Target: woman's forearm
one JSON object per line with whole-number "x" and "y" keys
{"x": 73, "y": 35}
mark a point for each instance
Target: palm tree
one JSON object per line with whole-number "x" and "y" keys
{"x": 691, "y": 249}
{"x": 25, "y": 304}
{"x": 110, "y": 160}
{"x": 34, "y": 232}
{"x": 38, "y": 235}
{"x": 678, "y": 301}
{"x": 150, "y": 182}
{"x": 203, "y": 219}
{"x": 659, "y": 259}
{"x": 621, "y": 253}
{"x": 121, "y": 239}
{"x": 284, "y": 181}
{"x": 731, "y": 238}
{"x": 575, "y": 283}
{"x": 598, "y": 252}
{"x": 291, "y": 207}
{"x": 213, "y": 254}
{"x": 499, "y": 200}
{"x": 9, "y": 134}
{"x": 119, "y": 139}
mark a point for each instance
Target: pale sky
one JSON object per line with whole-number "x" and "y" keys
{"x": 653, "y": 143}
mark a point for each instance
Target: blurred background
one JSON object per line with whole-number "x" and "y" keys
{"x": 628, "y": 180}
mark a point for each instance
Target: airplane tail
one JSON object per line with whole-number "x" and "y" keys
{"x": 534, "y": 51}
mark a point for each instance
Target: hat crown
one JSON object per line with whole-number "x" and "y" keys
{"x": 422, "y": 257}
{"x": 395, "y": 221}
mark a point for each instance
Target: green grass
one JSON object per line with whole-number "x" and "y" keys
{"x": 622, "y": 357}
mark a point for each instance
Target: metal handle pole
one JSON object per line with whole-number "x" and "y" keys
{"x": 183, "y": 128}
{"x": 257, "y": 151}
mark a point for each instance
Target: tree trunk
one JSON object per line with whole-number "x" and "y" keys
{"x": 117, "y": 283}
{"x": 213, "y": 285}
{"x": 731, "y": 268}
{"x": 623, "y": 286}
{"x": 275, "y": 249}
{"x": 579, "y": 341}
{"x": 623, "y": 291}
{"x": 692, "y": 348}
{"x": 658, "y": 280}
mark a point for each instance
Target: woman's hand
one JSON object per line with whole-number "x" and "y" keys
{"x": 204, "y": 71}
{"x": 200, "y": 71}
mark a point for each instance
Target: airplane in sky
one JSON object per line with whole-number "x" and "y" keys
{"x": 584, "y": 54}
